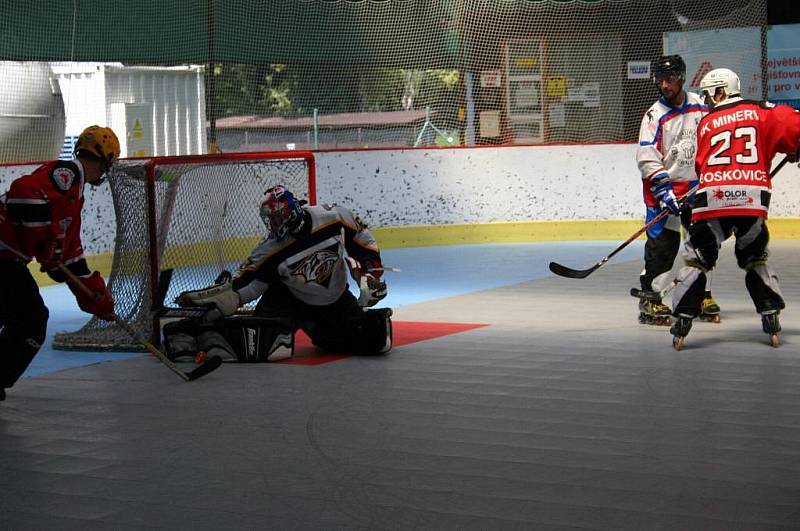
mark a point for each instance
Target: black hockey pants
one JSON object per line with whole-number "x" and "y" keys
{"x": 23, "y": 317}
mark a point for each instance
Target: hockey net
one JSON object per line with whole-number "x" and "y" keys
{"x": 190, "y": 216}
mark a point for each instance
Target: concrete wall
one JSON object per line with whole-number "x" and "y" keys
{"x": 480, "y": 185}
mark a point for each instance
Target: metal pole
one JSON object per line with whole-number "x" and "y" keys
{"x": 316, "y": 128}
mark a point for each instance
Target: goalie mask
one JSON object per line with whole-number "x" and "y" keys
{"x": 282, "y": 213}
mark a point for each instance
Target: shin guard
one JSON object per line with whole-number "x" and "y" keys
{"x": 762, "y": 284}
{"x": 687, "y": 297}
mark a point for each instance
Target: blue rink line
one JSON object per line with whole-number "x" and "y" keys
{"x": 427, "y": 273}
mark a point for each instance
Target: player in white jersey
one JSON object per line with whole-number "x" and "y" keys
{"x": 667, "y": 145}
{"x": 300, "y": 271}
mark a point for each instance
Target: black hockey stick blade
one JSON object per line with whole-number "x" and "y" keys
{"x": 645, "y": 295}
{"x": 209, "y": 365}
{"x": 568, "y": 272}
{"x": 164, "y": 279}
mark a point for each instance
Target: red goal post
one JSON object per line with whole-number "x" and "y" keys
{"x": 194, "y": 215}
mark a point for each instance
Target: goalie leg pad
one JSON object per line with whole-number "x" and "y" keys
{"x": 257, "y": 339}
{"x": 353, "y": 331}
{"x": 180, "y": 338}
{"x": 213, "y": 343}
{"x": 378, "y": 328}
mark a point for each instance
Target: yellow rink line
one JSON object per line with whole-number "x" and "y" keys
{"x": 500, "y": 232}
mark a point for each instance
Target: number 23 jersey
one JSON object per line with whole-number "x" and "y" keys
{"x": 735, "y": 146}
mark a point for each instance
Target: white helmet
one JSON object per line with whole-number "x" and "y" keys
{"x": 721, "y": 77}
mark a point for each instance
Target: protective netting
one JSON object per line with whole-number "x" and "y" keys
{"x": 312, "y": 74}
{"x": 196, "y": 217}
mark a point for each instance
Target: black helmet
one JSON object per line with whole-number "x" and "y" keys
{"x": 668, "y": 65}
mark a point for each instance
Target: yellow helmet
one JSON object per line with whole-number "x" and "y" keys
{"x": 100, "y": 142}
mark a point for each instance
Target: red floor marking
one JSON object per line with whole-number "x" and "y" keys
{"x": 404, "y": 332}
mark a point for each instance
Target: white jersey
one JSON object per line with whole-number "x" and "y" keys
{"x": 312, "y": 265}
{"x": 668, "y": 142}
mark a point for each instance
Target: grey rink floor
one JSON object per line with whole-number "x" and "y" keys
{"x": 563, "y": 413}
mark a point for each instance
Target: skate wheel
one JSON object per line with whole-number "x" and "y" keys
{"x": 714, "y": 318}
{"x": 773, "y": 340}
{"x": 677, "y": 342}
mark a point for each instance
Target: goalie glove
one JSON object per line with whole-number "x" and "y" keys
{"x": 372, "y": 290}
{"x": 221, "y": 298}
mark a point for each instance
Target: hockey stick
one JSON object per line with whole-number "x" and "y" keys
{"x": 568, "y": 272}
{"x": 210, "y": 364}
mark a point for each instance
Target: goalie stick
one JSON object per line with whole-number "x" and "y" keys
{"x": 209, "y": 365}
{"x": 568, "y": 272}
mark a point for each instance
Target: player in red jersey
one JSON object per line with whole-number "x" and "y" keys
{"x": 736, "y": 144}
{"x": 40, "y": 218}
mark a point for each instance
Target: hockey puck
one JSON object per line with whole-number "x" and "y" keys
{"x": 201, "y": 357}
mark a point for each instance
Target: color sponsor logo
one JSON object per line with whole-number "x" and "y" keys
{"x": 732, "y": 195}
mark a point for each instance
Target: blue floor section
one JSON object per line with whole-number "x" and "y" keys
{"x": 427, "y": 273}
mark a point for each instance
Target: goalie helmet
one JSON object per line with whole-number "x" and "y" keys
{"x": 721, "y": 78}
{"x": 667, "y": 66}
{"x": 99, "y": 142}
{"x": 281, "y": 212}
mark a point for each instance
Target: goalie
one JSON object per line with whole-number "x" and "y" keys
{"x": 300, "y": 271}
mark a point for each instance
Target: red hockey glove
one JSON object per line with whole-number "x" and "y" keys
{"x": 101, "y": 303}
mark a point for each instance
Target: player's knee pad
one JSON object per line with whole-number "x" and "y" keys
{"x": 762, "y": 284}
{"x": 690, "y": 287}
{"x": 661, "y": 282}
{"x": 257, "y": 339}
